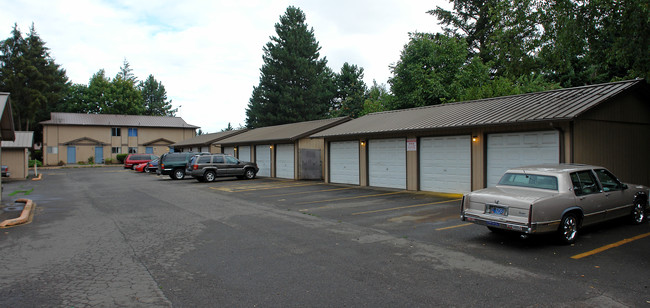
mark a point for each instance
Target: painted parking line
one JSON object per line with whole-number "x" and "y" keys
{"x": 610, "y": 246}
{"x": 405, "y": 207}
{"x": 228, "y": 189}
{"x": 307, "y": 192}
{"x": 350, "y": 198}
{"x": 454, "y": 227}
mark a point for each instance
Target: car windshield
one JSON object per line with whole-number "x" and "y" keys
{"x": 529, "y": 180}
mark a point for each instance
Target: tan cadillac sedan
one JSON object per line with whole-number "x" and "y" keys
{"x": 554, "y": 198}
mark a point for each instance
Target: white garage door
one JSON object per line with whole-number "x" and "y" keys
{"x": 245, "y": 153}
{"x": 512, "y": 150}
{"x": 344, "y": 162}
{"x": 229, "y": 150}
{"x": 446, "y": 164}
{"x": 284, "y": 161}
{"x": 263, "y": 159}
{"x": 387, "y": 163}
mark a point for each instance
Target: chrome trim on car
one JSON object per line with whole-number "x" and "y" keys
{"x": 537, "y": 227}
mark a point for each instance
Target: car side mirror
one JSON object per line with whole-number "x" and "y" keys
{"x": 624, "y": 186}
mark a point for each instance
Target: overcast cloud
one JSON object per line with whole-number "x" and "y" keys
{"x": 208, "y": 54}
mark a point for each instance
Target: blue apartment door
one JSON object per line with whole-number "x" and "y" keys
{"x": 72, "y": 155}
{"x": 99, "y": 155}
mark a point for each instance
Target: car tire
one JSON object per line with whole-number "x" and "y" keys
{"x": 568, "y": 231}
{"x": 249, "y": 174}
{"x": 178, "y": 174}
{"x": 638, "y": 213}
{"x": 210, "y": 176}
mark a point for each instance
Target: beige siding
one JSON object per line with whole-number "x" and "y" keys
{"x": 62, "y": 135}
{"x": 363, "y": 163}
{"x": 17, "y": 161}
{"x": 412, "y": 167}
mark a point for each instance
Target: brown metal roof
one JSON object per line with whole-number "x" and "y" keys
{"x": 61, "y": 118}
{"x": 284, "y": 133}
{"x": 208, "y": 139}
{"x": 556, "y": 105}
{"x": 23, "y": 140}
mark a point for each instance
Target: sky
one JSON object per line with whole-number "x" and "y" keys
{"x": 208, "y": 54}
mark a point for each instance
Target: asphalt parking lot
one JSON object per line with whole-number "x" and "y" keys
{"x": 410, "y": 239}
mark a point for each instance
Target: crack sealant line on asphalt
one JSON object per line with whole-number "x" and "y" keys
{"x": 350, "y": 198}
{"x": 405, "y": 207}
{"x": 261, "y": 188}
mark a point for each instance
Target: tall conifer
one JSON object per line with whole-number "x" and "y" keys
{"x": 295, "y": 85}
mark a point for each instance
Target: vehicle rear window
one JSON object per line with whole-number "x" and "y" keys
{"x": 140, "y": 157}
{"x": 175, "y": 158}
{"x": 529, "y": 180}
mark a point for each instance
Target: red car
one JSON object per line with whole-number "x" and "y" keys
{"x": 135, "y": 159}
{"x": 140, "y": 167}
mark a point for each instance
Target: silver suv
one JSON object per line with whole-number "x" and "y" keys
{"x": 206, "y": 168}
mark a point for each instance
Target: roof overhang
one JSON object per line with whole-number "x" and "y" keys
{"x": 7, "y": 119}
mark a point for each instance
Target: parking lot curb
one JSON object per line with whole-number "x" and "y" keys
{"x": 24, "y": 216}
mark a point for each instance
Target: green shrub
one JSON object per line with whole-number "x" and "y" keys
{"x": 35, "y": 161}
{"x": 108, "y": 161}
{"x": 91, "y": 160}
{"x": 61, "y": 163}
{"x": 81, "y": 162}
{"x": 121, "y": 157}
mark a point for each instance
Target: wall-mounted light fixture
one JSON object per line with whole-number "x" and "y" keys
{"x": 474, "y": 138}
{"x": 271, "y": 147}
{"x": 363, "y": 143}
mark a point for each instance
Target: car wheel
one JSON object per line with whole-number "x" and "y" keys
{"x": 638, "y": 212}
{"x": 178, "y": 174}
{"x": 210, "y": 176}
{"x": 568, "y": 228}
{"x": 249, "y": 174}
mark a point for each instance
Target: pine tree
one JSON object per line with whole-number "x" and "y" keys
{"x": 155, "y": 98}
{"x": 295, "y": 85}
{"x": 350, "y": 91}
{"x": 36, "y": 83}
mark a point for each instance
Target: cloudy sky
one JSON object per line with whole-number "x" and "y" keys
{"x": 206, "y": 53}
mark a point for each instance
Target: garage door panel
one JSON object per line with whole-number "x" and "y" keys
{"x": 284, "y": 157}
{"x": 344, "y": 162}
{"x": 263, "y": 159}
{"x": 510, "y": 150}
{"x": 387, "y": 163}
{"x": 445, "y": 164}
{"x": 245, "y": 153}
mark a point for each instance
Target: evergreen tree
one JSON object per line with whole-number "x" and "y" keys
{"x": 155, "y": 98}
{"x": 350, "y": 91}
{"x": 36, "y": 83}
{"x": 295, "y": 85}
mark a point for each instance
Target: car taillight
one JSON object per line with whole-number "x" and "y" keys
{"x": 162, "y": 166}
{"x": 195, "y": 167}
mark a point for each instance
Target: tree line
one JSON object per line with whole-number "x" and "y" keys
{"x": 488, "y": 48}
{"x": 38, "y": 86}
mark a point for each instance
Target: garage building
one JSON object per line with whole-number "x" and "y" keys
{"x": 283, "y": 151}
{"x": 464, "y": 146}
{"x": 15, "y": 154}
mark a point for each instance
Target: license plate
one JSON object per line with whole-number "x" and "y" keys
{"x": 497, "y": 210}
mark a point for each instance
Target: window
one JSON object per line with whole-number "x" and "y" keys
{"x": 52, "y": 150}
{"x": 204, "y": 160}
{"x": 218, "y": 159}
{"x": 608, "y": 180}
{"x": 231, "y": 160}
{"x": 116, "y": 131}
{"x": 148, "y": 150}
{"x": 529, "y": 180}
{"x": 116, "y": 150}
{"x": 584, "y": 183}
{"x": 133, "y": 150}
{"x": 133, "y": 132}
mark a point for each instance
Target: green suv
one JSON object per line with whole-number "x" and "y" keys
{"x": 173, "y": 164}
